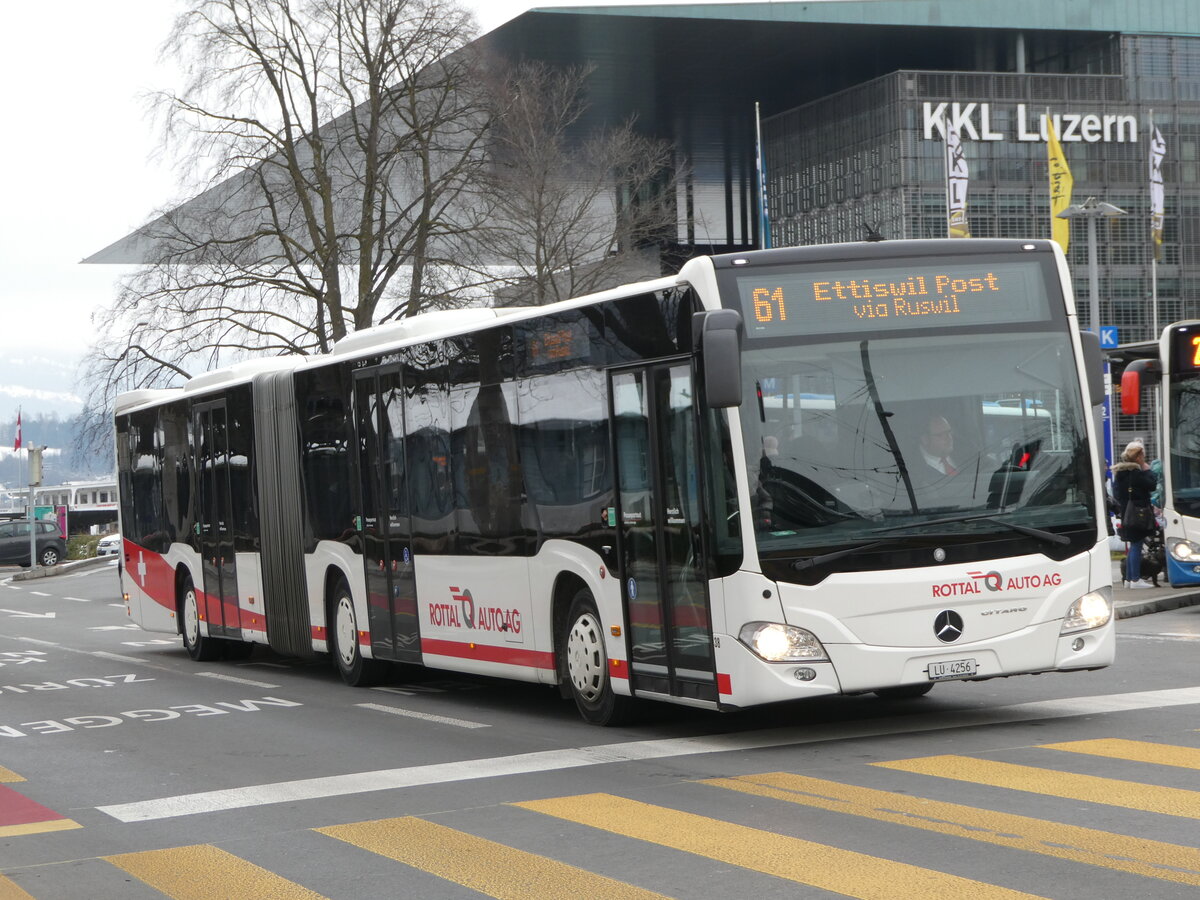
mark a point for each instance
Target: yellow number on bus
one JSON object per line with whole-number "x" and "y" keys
{"x": 1196, "y": 355}
{"x": 763, "y": 311}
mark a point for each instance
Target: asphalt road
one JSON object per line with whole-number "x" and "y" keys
{"x": 128, "y": 771}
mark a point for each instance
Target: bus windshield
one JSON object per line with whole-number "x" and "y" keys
{"x": 1185, "y": 443}
{"x": 915, "y": 433}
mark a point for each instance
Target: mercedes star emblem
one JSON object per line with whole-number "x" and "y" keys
{"x": 948, "y": 626}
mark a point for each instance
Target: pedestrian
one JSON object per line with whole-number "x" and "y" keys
{"x": 1133, "y": 482}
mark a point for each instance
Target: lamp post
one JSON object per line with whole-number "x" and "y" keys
{"x": 1092, "y": 209}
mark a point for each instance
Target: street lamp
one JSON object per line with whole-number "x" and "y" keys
{"x": 1092, "y": 209}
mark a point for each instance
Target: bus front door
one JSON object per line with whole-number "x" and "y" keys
{"x": 385, "y": 523}
{"x": 214, "y": 523}
{"x": 663, "y": 576}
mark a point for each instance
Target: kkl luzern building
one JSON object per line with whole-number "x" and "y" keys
{"x": 855, "y": 98}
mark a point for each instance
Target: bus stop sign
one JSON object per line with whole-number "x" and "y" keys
{"x": 1108, "y": 336}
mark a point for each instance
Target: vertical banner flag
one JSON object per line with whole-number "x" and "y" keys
{"x": 1158, "y": 149}
{"x": 956, "y": 185}
{"x": 1061, "y": 184}
{"x": 17, "y": 442}
{"x": 764, "y": 223}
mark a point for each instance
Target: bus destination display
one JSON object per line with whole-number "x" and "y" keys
{"x": 1185, "y": 345}
{"x": 788, "y": 302}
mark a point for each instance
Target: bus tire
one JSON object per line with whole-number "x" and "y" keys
{"x": 347, "y": 655}
{"x": 585, "y": 665}
{"x": 199, "y": 647}
{"x": 905, "y": 691}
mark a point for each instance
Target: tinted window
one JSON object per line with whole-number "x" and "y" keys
{"x": 324, "y": 446}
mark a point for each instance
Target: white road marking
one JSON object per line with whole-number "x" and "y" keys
{"x": 261, "y": 684}
{"x": 1164, "y": 636}
{"x": 78, "y": 599}
{"x": 39, "y": 593}
{"x": 21, "y": 614}
{"x": 552, "y": 760}
{"x": 428, "y": 717}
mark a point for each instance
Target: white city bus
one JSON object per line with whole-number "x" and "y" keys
{"x": 1174, "y": 362}
{"x": 709, "y": 489}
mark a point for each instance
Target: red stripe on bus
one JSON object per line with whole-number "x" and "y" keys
{"x": 512, "y": 656}
{"x": 153, "y": 574}
{"x": 16, "y": 809}
{"x": 618, "y": 668}
{"x": 724, "y": 686}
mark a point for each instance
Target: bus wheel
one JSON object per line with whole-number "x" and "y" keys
{"x": 585, "y": 664}
{"x": 355, "y": 671}
{"x": 199, "y": 648}
{"x": 905, "y": 691}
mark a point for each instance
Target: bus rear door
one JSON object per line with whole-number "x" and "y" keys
{"x": 214, "y": 523}
{"x": 654, "y": 422}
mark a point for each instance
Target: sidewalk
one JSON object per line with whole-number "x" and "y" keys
{"x": 1139, "y": 603}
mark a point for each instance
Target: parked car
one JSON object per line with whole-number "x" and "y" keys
{"x": 110, "y": 545}
{"x": 14, "y": 543}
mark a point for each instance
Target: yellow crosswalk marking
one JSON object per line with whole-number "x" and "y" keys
{"x": 830, "y": 868}
{"x": 1134, "y": 751}
{"x": 205, "y": 872}
{"x": 10, "y": 891}
{"x": 1153, "y": 859}
{"x": 1051, "y": 782}
{"x": 480, "y": 864}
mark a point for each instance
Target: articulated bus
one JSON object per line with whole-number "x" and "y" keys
{"x": 1174, "y": 362}
{"x": 713, "y": 489}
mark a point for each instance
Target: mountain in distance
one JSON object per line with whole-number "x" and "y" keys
{"x": 42, "y": 384}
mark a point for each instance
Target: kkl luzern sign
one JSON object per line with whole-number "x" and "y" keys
{"x": 974, "y": 120}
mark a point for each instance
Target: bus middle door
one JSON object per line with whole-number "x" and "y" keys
{"x": 385, "y": 522}
{"x": 664, "y": 579}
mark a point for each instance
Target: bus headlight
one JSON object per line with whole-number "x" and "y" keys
{"x": 1089, "y": 611}
{"x": 1184, "y": 551}
{"x": 781, "y": 643}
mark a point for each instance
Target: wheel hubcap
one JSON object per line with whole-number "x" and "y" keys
{"x": 585, "y": 657}
{"x": 191, "y": 618}
{"x": 347, "y": 631}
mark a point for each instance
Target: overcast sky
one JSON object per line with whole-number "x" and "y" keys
{"x": 79, "y": 162}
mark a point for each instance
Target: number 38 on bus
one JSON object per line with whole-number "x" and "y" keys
{"x": 775, "y": 475}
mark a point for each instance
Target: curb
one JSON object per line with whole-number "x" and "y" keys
{"x": 1128, "y": 609}
{"x": 62, "y": 569}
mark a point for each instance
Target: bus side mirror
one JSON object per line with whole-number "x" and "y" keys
{"x": 720, "y": 343}
{"x": 1093, "y": 365}
{"x": 1139, "y": 373}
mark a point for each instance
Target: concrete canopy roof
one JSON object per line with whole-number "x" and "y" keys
{"x": 693, "y": 72}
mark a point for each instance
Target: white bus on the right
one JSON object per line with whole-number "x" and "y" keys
{"x": 1176, "y": 366}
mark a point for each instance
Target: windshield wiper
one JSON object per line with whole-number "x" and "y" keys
{"x": 810, "y": 562}
{"x": 1040, "y": 534}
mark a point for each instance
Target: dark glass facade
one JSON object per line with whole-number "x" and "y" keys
{"x": 871, "y": 157}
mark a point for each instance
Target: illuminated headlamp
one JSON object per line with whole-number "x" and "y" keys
{"x": 1092, "y": 610}
{"x": 781, "y": 643}
{"x": 1184, "y": 551}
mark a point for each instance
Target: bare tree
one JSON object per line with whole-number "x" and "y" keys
{"x": 568, "y": 209}
{"x": 335, "y": 138}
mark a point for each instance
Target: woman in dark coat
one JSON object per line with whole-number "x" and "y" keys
{"x": 1133, "y": 480}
